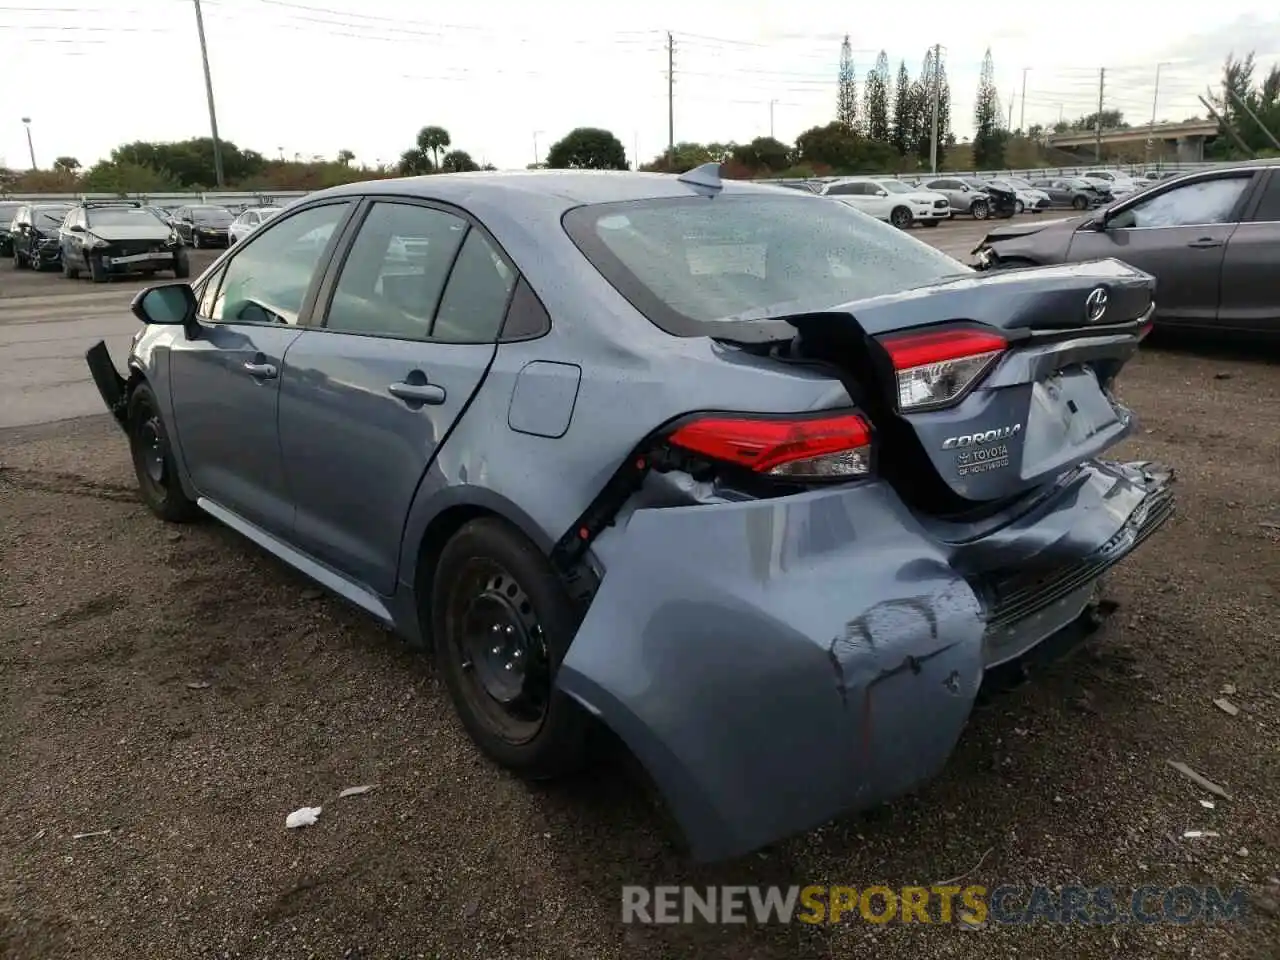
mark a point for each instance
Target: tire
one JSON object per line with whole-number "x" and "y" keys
{"x": 1080, "y": 203}
{"x": 491, "y": 581}
{"x": 18, "y": 262}
{"x": 1019, "y": 207}
{"x": 153, "y": 462}
{"x": 68, "y": 271}
{"x": 900, "y": 217}
{"x": 195, "y": 240}
{"x": 97, "y": 272}
{"x": 980, "y": 210}
{"x": 931, "y": 223}
{"x": 181, "y": 265}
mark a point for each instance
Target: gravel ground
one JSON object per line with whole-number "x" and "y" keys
{"x": 183, "y": 691}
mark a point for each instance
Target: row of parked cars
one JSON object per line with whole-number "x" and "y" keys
{"x": 100, "y": 238}
{"x": 927, "y": 201}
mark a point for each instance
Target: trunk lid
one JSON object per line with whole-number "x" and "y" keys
{"x": 1015, "y": 371}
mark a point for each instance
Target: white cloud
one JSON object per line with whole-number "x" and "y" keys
{"x": 315, "y": 76}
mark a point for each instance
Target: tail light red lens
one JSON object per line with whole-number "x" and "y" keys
{"x": 935, "y": 368}
{"x": 799, "y": 448}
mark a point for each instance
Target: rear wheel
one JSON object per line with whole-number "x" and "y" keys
{"x": 501, "y": 624}
{"x": 1080, "y": 203}
{"x": 900, "y": 217}
{"x": 153, "y": 460}
{"x": 980, "y": 210}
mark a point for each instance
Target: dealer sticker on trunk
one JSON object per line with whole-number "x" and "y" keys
{"x": 982, "y": 459}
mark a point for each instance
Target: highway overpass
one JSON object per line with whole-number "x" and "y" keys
{"x": 1185, "y": 140}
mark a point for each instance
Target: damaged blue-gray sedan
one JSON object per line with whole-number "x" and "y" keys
{"x": 759, "y": 484}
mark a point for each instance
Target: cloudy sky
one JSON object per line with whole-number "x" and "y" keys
{"x": 508, "y": 77}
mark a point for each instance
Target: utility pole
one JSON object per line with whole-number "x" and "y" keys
{"x": 208, "y": 89}
{"x": 671, "y": 101}
{"x": 535, "y": 147}
{"x": 1022, "y": 114}
{"x": 26, "y": 122}
{"x": 937, "y": 96}
{"x": 1226, "y": 125}
{"x": 1012, "y": 97}
{"x": 1097, "y": 120}
{"x": 771, "y": 103}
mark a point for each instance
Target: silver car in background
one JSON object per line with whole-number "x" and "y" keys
{"x": 248, "y": 222}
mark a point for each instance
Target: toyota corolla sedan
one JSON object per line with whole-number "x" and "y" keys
{"x": 760, "y": 484}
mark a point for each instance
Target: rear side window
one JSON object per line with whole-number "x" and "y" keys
{"x": 687, "y": 263}
{"x": 1269, "y": 208}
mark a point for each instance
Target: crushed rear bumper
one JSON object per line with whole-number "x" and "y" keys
{"x": 775, "y": 663}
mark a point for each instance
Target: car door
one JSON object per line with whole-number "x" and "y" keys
{"x": 1179, "y": 236}
{"x": 852, "y": 194}
{"x": 71, "y": 243}
{"x": 20, "y": 232}
{"x": 225, "y": 383}
{"x": 371, "y": 392}
{"x": 1250, "y": 294}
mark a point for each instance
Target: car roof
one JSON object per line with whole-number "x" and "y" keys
{"x": 540, "y": 189}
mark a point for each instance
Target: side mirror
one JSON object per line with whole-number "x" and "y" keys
{"x": 882, "y": 193}
{"x": 168, "y": 304}
{"x": 76, "y": 228}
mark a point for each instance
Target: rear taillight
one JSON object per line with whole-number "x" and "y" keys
{"x": 934, "y": 369}
{"x": 796, "y": 448}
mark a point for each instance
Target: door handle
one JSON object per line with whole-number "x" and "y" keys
{"x": 260, "y": 371}
{"x": 1205, "y": 243}
{"x": 431, "y": 393}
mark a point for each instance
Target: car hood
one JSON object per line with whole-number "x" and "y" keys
{"x": 1064, "y": 225}
{"x": 924, "y": 196}
{"x": 158, "y": 232}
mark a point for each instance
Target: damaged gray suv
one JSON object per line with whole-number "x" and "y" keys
{"x": 760, "y": 484}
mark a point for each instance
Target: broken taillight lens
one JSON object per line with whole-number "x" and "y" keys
{"x": 934, "y": 369}
{"x": 796, "y": 448}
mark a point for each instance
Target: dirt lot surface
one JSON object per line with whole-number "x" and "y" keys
{"x": 175, "y": 693}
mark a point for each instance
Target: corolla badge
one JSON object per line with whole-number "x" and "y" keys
{"x": 1095, "y": 305}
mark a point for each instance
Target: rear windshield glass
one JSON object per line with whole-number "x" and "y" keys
{"x": 213, "y": 216}
{"x": 689, "y": 262}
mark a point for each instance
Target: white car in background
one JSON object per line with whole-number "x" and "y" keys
{"x": 249, "y": 221}
{"x": 891, "y": 200}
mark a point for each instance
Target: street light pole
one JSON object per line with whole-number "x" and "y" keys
{"x": 26, "y": 122}
{"x": 535, "y": 147}
{"x": 1022, "y": 114}
{"x": 1155, "y": 99}
{"x": 771, "y": 103}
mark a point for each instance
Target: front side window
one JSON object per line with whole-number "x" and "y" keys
{"x": 1195, "y": 204}
{"x": 395, "y": 273}
{"x": 1269, "y": 209}
{"x": 687, "y": 263}
{"x": 267, "y": 280}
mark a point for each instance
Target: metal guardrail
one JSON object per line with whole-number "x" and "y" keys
{"x": 1028, "y": 172}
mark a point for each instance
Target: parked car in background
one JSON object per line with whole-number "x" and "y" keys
{"x": 34, "y": 234}
{"x": 1027, "y": 199}
{"x": 249, "y": 221}
{"x": 465, "y": 452}
{"x": 961, "y": 197}
{"x": 203, "y": 226}
{"x": 890, "y": 200}
{"x": 106, "y": 238}
{"x": 7, "y": 212}
{"x": 1211, "y": 239}
{"x": 1120, "y": 184}
{"x": 1070, "y": 192}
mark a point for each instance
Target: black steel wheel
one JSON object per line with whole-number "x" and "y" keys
{"x": 501, "y": 624}
{"x": 153, "y": 462}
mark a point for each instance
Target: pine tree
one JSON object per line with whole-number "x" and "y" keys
{"x": 847, "y": 93}
{"x": 988, "y": 137}
{"x": 904, "y": 117}
{"x": 876, "y": 100}
{"x": 925, "y": 93}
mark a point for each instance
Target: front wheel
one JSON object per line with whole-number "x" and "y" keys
{"x": 980, "y": 210}
{"x": 900, "y": 217}
{"x": 1080, "y": 203}
{"x": 501, "y": 625}
{"x": 68, "y": 271}
{"x": 181, "y": 264}
{"x": 97, "y": 271}
{"x": 195, "y": 240}
{"x": 153, "y": 460}
{"x": 18, "y": 262}
{"x": 1018, "y": 206}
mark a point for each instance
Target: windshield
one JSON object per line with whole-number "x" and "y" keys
{"x": 893, "y": 186}
{"x": 48, "y": 216}
{"x": 213, "y": 216}
{"x": 1021, "y": 184}
{"x": 126, "y": 217}
{"x": 975, "y": 184}
{"x": 687, "y": 262}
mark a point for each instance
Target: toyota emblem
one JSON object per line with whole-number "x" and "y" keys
{"x": 1095, "y": 305}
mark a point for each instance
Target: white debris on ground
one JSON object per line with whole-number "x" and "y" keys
{"x": 356, "y": 791}
{"x": 302, "y": 817}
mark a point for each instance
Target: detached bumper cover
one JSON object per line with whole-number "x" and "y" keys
{"x": 111, "y": 386}
{"x": 774, "y": 664}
